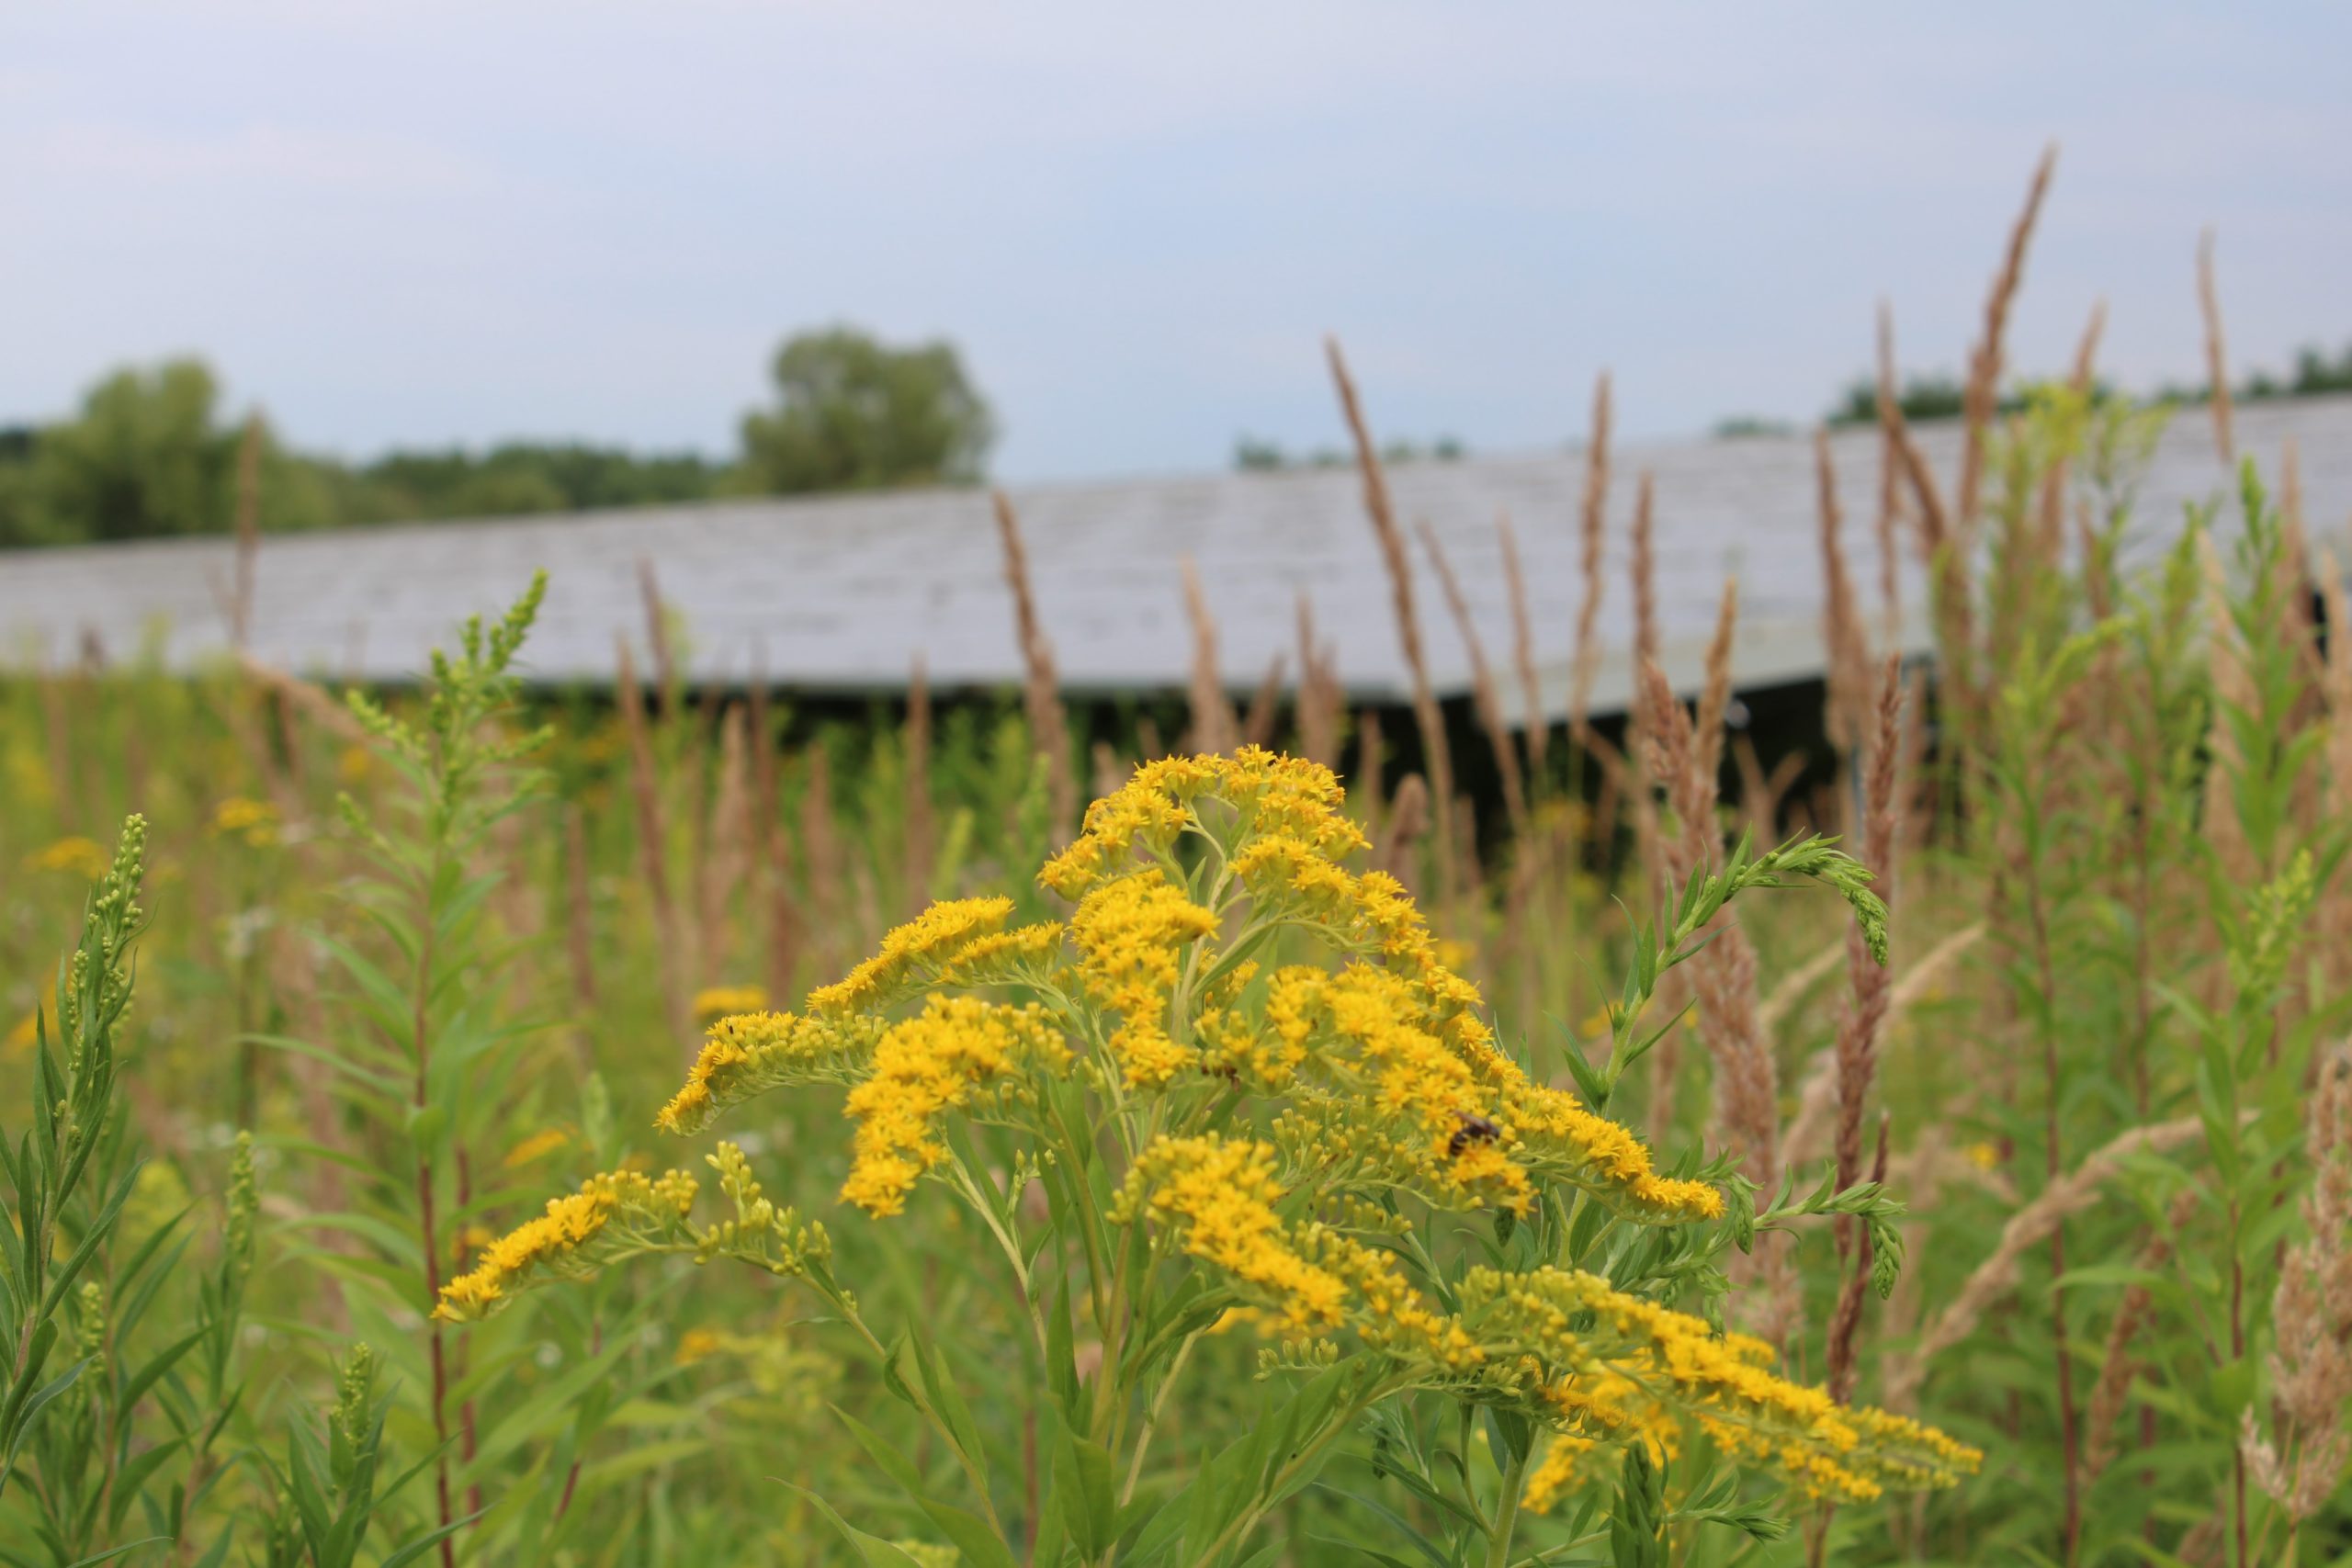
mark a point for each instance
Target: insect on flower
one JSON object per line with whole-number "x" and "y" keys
{"x": 1474, "y": 1129}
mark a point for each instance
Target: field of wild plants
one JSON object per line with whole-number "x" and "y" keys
{"x": 483, "y": 1123}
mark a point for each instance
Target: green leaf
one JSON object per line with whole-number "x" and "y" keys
{"x": 1083, "y": 1489}
{"x": 873, "y": 1550}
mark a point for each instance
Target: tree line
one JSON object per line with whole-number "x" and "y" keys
{"x": 155, "y": 452}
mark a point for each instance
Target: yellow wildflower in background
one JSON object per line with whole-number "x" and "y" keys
{"x": 26, "y": 1035}
{"x": 83, "y": 857}
{"x": 695, "y": 1345}
{"x": 352, "y": 764}
{"x": 544, "y": 1142}
{"x": 717, "y": 1001}
{"x": 254, "y": 822}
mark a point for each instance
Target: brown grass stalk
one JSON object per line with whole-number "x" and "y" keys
{"x": 1214, "y": 727}
{"x": 1427, "y": 715}
{"x": 821, "y": 858}
{"x": 1809, "y": 1131}
{"x": 579, "y": 924}
{"x": 1714, "y": 687}
{"x": 1485, "y": 692}
{"x": 1538, "y": 729}
{"x": 1265, "y": 711}
{"x": 1862, "y": 1025}
{"x": 1980, "y": 397}
{"x": 2028, "y": 1228}
{"x": 1041, "y": 694}
{"x": 1890, "y": 487}
{"x": 1644, "y": 569}
{"x": 652, "y": 851}
{"x": 248, "y": 530}
{"x": 2217, "y": 352}
{"x": 2051, "y": 531}
{"x": 916, "y": 809}
{"x": 657, "y": 639}
{"x": 1408, "y": 818}
{"x": 1747, "y": 1113}
{"x": 2119, "y": 1366}
{"x": 1844, "y": 643}
{"x": 728, "y": 854}
{"x": 1592, "y": 530}
{"x": 1321, "y": 703}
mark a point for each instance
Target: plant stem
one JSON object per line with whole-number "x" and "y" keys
{"x": 1506, "y": 1521}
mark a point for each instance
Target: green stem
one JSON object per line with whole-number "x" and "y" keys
{"x": 1506, "y": 1522}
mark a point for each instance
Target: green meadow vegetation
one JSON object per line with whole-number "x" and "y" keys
{"x": 478, "y": 1123}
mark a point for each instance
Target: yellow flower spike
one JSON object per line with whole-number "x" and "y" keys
{"x": 750, "y": 1053}
{"x": 912, "y": 955}
{"x": 570, "y": 1239}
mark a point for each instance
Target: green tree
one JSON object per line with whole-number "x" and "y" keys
{"x": 149, "y": 454}
{"x": 145, "y": 457}
{"x": 855, "y": 413}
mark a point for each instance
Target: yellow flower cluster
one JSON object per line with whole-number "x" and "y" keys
{"x": 1131, "y": 935}
{"x": 1603, "y": 1411}
{"x": 750, "y": 1053}
{"x": 1257, "y": 796}
{"x": 1221, "y": 1196}
{"x": 912, "y": 955}
{"x": 564, "y": 1240}
{"x": 1369, "y": 1033}
{"x": 956, "y": 1050}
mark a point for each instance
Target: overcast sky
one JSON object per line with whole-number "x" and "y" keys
{"x": 415, "y": 222}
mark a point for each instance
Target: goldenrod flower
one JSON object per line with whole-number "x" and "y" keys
{"x": 26, "y": 1035}
{"x": 1131, "y": 934}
